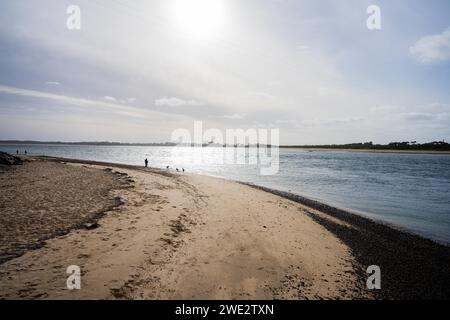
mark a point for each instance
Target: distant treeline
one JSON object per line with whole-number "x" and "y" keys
{"x": 405, "y": 145}
{"x": 90, "y": 143}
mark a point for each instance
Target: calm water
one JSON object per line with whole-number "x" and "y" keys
{"x": 411, "y": 191}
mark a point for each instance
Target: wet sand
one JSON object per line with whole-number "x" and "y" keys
{"x": 412, "y": 267}
{"x": 184, "y": 236}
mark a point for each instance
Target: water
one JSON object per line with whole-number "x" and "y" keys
{"x": 411, "y": 191}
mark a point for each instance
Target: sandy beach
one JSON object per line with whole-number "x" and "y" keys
{"x": 143, "y": 233}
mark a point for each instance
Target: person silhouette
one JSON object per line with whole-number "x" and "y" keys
{"x": 17, "y": 151}
{"x": 25, "y": 152}
{"x": 146, "y": 162}
{"x": 183, "y": 169}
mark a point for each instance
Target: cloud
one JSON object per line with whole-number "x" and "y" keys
{"x": 263, "y": 95}
{"x": 387, "y": 109}
{"x": 286, "y": 121}
{"x": 80, "y": 102}
{"x": 425, "y": 116}
{"x": 323, "y": 91}
{"x": 109, "y": 98}
{"x": 433, "y": 48}
{"x": 113, "y": 99}
{"x": 235, "y": 116}
{"x": 426, "y": 112}
{"x": 303, "y": 47}
{"x": 327, "y": 122}
{"x": 53, "y": 83}
{"x": 274, "y": 83}
{"x": 176, "y": 102}
{"x": 418, "y": 116}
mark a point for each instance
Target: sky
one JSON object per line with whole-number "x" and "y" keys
{"x": 135, "y": 71}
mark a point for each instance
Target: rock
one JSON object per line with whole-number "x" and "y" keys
{"x": 9, "y": 160}
{"x": 90, "y": 226}
{"x": 118, "y": 201}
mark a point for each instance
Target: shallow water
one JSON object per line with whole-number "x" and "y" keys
{"x": 411, "y": 191}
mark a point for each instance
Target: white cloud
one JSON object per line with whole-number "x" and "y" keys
{"x": 80, "y": 102}
{"x": 53, "y": 83}
{"x": 176, "y": 102}
{"x": 425, "y": 116}
{"x": 431, "y": 111}
{"x": 433, "y": 48}
{"x": 109, "y": 98}
{"x": 387, "y": 109}
{"x": 286, "y": 121}
{"x": 274, "y": 83}
{"x": 235, "y": 116}
{"x": 326, "y": 122}
{"x": 323, "y": 91}
{"x": 263, "y": 95}
{"x": 126, "y": 100}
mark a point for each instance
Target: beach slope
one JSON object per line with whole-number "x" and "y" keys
{"x": 154, "y": 234}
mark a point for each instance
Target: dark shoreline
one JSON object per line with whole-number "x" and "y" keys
{"x": 412, "y": 267}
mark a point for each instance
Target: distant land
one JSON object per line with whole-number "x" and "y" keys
{"x": 392, "y": 146}
{"x": 90, "y": 143}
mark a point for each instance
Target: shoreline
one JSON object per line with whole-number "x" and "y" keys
{"x": 332, "y": 210}
{"x": 370, "y": 239}
{"x": 433, "y": 152}
{"x": 307, "y": 149}
{"x": 413, "y": 267}
{"x": 305, "y": 200}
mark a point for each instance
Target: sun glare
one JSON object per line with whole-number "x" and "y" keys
{"x": 200, "y": 18}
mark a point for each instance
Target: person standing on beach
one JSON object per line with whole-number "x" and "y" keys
{"x": 17, "y": 151}
{"x": 146, "y": 162}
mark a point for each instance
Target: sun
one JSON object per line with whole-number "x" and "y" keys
{"x": 200, "y": 18}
